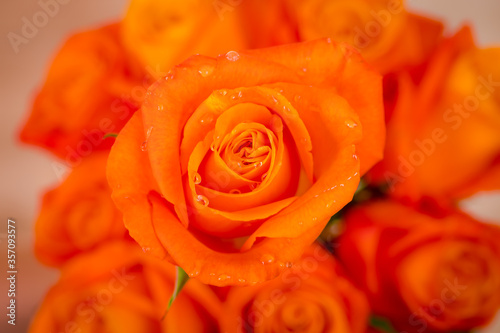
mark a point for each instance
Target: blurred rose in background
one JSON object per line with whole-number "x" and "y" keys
{"x": 36, "y": 34}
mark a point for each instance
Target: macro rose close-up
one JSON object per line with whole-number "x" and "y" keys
{"x": 313, "y": 296}
{"x": 247, "y": 166}
{"x": 90, "y": 75}
{"x": 250, "y": 166}
{"x": 424, "y": 269}
{"x": 129, "y": 293}
{"x": 62, "y": 229}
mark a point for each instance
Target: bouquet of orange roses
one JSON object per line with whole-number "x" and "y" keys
{"x": 269, "y": 166}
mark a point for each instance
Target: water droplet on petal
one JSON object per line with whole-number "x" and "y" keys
{"x": 223, "y": 92}
{"x": 253, "y": 186}
{"x": 296, "y": 98}
{"x": 145, "y": 249}
{"x": 170, "y": 75}
{"x": 223, "y": 277}
{"x": 242, "y": 280}
{"x": 288, "y": 264}
{"x": 206, "y": 70}
{"x": 234, "y": 191}
{"x": 196, "y": 270}
{"x": 314, "y": 219}
{"x": 266, "y": 259}
{"x": 232, "y": 56}
{"x": 301, "y": 222}
{"x": 144, "y": 145}
{"x": 355, "y": 156}
{"x": 194, "y": 273}
{"x": 350, "y": 123}
{"x": 197, "y": 179}
{"x": 160, "y": 107}
{"x": 202, "y": 199}
{"x": 263, "y": 177}
{"x": 207, "y": 119}
{"x": 258, "y": 164}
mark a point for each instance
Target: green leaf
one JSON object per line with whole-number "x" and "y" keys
{"x": 110, "y": 135}
{"x": 381, "y": 324}
{"x": 180, "y": 280}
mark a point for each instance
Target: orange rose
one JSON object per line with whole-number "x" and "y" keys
{"x": 87, "y": 94}
{"x": 235, "y": 164}
{"x": 421, "y": 271}
{"x": 383, "y": 31}
{"x": 266, "y": 22}
{"x": 313, "y": 296}
{"x": 447, "y": 123}
{"x": 77, "y": 215}
{"x": 163, "y": 33}
{"x": 119, "y": 289}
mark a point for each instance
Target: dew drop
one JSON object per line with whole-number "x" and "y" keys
{"x": 288, "y": 264}
{"x": 160, "y": 107}
{"x": 170, "y": 75}
{"x": 207, "y": 119}
{"x": 301, "y": 223}
{"x": 275, "y": 99}
{"x": 253, "y": 186}
{"x": 267, "y": 259}
{"x": 263, "y": 177}
{"x": 197, "y": 179}
{"x": 194, "y": 273}
{"x": 355, "y": 156}
{"x": 223, "y": 277}
{"x": 314, "y": 219}
{"x": 206, "y": 70}
{"x": 146, "y": 249}
{"x": 232, "y": 56}
{"x": 350, "y": 124}
{"x": 234, "y": 191}
{"x": 296, "y": 98}
{"x": 202, "y": 199}
{"x": 144, "y": 145}
{"x": 258, "y": 164}
{"x": 223, "y": 92}
{"x": 242, "y": 280}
